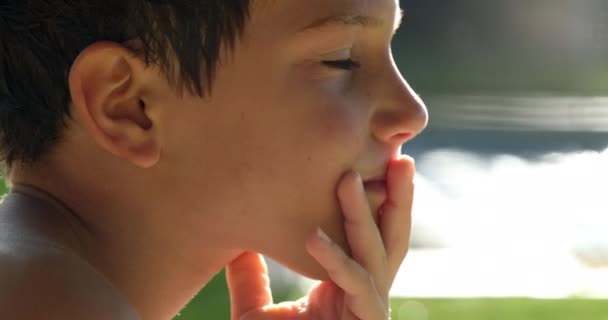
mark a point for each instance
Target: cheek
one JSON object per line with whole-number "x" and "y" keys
{"x": 281, "y": 154}
{"x": 298, "y": 165}
{"x": 322, "y": 142}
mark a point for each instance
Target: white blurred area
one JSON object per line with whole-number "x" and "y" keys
{"x": 504, "y": 202}
{"x": 503, "y": 226}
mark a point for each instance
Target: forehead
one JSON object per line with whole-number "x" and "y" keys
{"x": 294, "y": 15}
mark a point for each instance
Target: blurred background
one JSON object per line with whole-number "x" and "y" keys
{"x": 511, "y": 216}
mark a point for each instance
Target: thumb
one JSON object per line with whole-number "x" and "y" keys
{"x": 248, "y": 284}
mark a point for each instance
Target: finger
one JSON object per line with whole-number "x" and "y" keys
{"x": 362, "y": 232}
{"x": 347, "y": 314}
{"x": 318, "y": 298}
{"x": 396, "y": 219}
{"x": 362, "y": 296}
{"x": 248, "y": 284}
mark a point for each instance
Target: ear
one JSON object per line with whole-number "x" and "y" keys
{"x": 107, "y": 85}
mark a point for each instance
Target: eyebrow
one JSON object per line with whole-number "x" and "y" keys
{"x": 353, "y": 19}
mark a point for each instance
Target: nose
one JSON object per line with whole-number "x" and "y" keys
{"x": 400, "y": 114}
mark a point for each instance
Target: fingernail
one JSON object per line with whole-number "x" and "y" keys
{"x": 359, "y": 182}
{"x": 323, "y": 236}
{"x": 358, "y": 177}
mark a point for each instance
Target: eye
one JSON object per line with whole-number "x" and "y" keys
{"x": 346, "y": 64}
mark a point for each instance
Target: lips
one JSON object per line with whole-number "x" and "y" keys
{"x": 375, "y": 177}
{"x": 375, "y": 185}
{"x": 376, "y": 193}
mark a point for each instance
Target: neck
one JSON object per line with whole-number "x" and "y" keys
{"x": 156, "y": 264}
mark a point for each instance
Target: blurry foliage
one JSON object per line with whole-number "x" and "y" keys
{"x": 213, "y": 304}
{"x": 499, "y": 309}
{"x": 213, "y": 301}
{"x": 504, "y": 46}
{"x": 3, "y": 186}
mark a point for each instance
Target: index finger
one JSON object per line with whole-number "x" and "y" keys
{"x": 248, "y": 284}
{"x": 363, "y": 236}
{"x": 396, "y": 217}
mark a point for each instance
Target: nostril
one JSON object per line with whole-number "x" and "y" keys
{"x": 402, "y": 137}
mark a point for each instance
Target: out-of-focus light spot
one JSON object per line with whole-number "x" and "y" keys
{"x": 412, "y": 310}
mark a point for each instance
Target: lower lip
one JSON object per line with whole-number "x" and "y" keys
{"x": 375, "y": 186}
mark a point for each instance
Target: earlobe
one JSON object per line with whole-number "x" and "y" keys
{"x": 107, "y": 89}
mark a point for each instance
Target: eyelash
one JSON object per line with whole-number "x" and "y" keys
{"x": 347, "y": 64}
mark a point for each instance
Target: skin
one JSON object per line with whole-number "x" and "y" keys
{"x": 152, "y": 191}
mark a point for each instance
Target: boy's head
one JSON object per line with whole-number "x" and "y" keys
{"x": 223, "y": 122}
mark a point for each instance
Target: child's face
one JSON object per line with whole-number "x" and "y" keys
{"x": 262, "y": 155}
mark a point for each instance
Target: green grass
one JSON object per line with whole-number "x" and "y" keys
{"x": 499, "y": 309}
{"x": 212, "y": 303}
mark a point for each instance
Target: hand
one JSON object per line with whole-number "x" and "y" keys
{"x": 360, "y": 285}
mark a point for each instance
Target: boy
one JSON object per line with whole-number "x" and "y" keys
{"x": 149, "y": 144}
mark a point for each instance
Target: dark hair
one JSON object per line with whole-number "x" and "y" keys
{"x": 40, "y": 39}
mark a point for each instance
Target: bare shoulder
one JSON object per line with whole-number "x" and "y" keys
{"x": 39, "y": 281}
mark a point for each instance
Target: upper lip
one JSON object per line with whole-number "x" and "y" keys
{"x": 378, "y": 173}
{"x": 375, "y": 178}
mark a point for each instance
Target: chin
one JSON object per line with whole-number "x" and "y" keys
{"x": 304, "y": 265}
{"x": 301, "y": 262}
{"x": 308, "y": 267}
